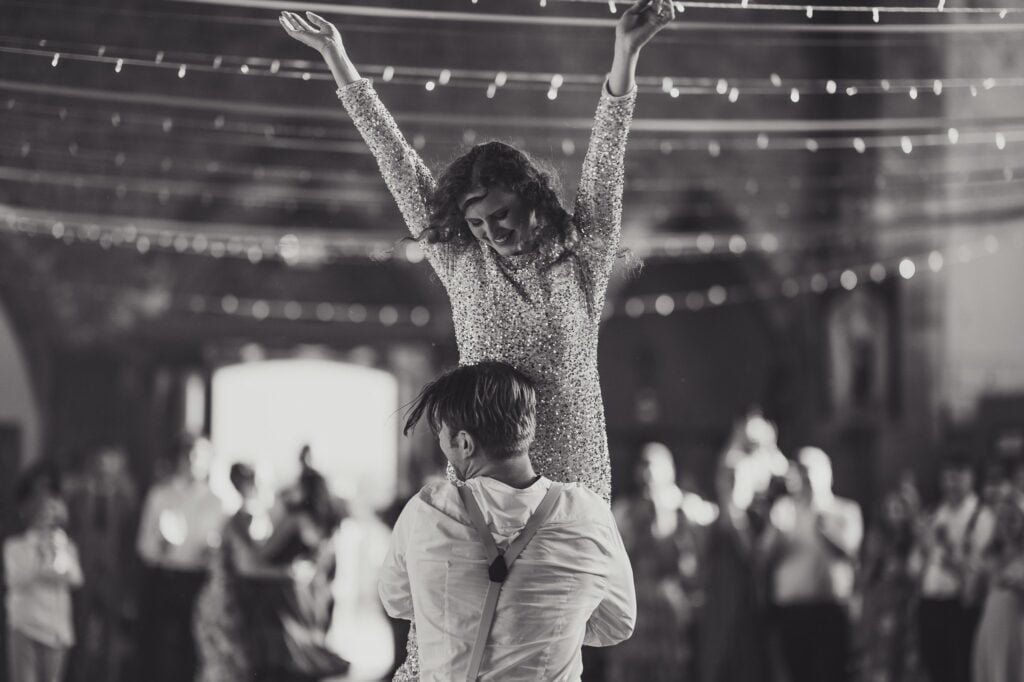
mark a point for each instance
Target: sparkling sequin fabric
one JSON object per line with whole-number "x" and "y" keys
{"x": 538, "y": 312}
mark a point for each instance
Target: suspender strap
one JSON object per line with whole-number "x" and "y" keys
{"x": 499, "y": 563}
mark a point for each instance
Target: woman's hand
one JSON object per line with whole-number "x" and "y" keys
{"x": 641, "y": 22}
{"x": 324, "y": 37}
{"x": 314, "y": 31}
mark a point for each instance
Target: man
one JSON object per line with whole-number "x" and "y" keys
{"x": 948, "y": 557}
{"x": 812, "y": 546}
{"x": 181, "y": 523}
{"x": 571, "y": 585}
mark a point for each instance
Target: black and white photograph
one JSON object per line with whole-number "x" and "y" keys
{"x": 512, "y": 341}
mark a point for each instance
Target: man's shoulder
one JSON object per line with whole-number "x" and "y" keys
{"x": 579, "y": 503}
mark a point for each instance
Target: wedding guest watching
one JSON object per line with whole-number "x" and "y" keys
{"x": 40, "y": 569}
{"x": 572, "y": 584}
{"x": 948, "y": 560}
{"x": 180, "y": 526}
{"x": 812, "y": 547}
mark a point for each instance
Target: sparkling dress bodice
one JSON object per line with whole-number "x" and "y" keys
{"x": 540, "y": 311}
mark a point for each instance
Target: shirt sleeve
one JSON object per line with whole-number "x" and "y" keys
{"x": 598, "y": 208}
{"x": 393, "y": 587}
{"x": 404, "y": 173}
{"x": 615, "y": 617}
{"x": 21, "y": 564}
{"x": 148, "y": 541}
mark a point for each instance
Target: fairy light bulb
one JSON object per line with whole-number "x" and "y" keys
{"x": 722, "y": 86}
{"x": 859, "y": 145}
{"x": 794, "y": 95}
{"x": 906, "y": 144}
{"x": 444, "y": 77}
{"x": 954, "y": 135}
{"x": 389, "y": 73}
{"x": 831, "y": 87}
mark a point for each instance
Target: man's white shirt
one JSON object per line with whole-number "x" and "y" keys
{"x": 572, "y": 585}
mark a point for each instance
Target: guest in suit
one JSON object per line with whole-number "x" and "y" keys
{"x": 811, "y": 548}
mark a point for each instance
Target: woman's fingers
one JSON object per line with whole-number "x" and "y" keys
{"x": 317, "y": 20}
{"x": 300, "y": 22}
{"x": 639, "y": 7}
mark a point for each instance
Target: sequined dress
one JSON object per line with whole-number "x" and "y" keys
{"x": 539, "y": 311}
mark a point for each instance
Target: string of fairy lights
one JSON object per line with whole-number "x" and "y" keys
{"x": 847, "y": 278}
{"x": 490, "y": 82}
{"x": 714, "y": 138}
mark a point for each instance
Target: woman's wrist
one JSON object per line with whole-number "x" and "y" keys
{"x": 622, "y": 78}
{"x": 340, "y": 65}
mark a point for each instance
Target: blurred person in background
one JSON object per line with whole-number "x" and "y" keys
{"x": 888, "y": 591}
{"x": 952, "y": 542}
{"x": 178, "y": 532}
{"x": 220, "y": 630}
{"x": 811, "y": 548}
{"x": 103, "y": 503}
{"x": 41, "y": 568}
{"x": 286, "y": 594}
{"x": 733, "y": 632}
{"x": 663, "y": 546}
{"x": 999, "y": 644}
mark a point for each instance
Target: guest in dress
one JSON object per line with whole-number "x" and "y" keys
{"x": 220, "y": 629}
{"x": 662, "y": 544}
{"x": 887, "y": 636}
{"x": 999, "y": 645}
{"x": 40, "y": 569}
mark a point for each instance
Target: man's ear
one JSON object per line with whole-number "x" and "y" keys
{"x": 465, "y": 443}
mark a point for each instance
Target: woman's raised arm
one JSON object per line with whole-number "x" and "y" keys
{"x": 598, "y": 207}
{"x": 404, "y": 173}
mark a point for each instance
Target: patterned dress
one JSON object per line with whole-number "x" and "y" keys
{"x": 539, "y": 311}
{"x": 218, "y": 621}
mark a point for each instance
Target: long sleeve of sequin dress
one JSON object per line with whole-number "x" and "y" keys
{"x": 406, "y": 176}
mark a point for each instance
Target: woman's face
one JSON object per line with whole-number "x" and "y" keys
{"x": 500, "y": 219}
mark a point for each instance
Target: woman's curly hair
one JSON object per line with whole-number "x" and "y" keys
{"x": 496, "y": 164}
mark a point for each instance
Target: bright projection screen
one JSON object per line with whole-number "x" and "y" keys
{"x": 263, "y": 412}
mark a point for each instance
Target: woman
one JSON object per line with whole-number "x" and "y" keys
{"x": 888, "y": 587}
{"x": 663, "y": 548}
{"x": 999, "y": 643}
{"x": 525, "y": 278}
{"x": 219, "y": 631}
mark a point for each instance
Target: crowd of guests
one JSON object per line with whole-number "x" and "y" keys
{"x": 777, "y": 580}
{"x": 174, "y": 589}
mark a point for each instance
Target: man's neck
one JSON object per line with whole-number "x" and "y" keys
{"x": 516, "y": 472}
